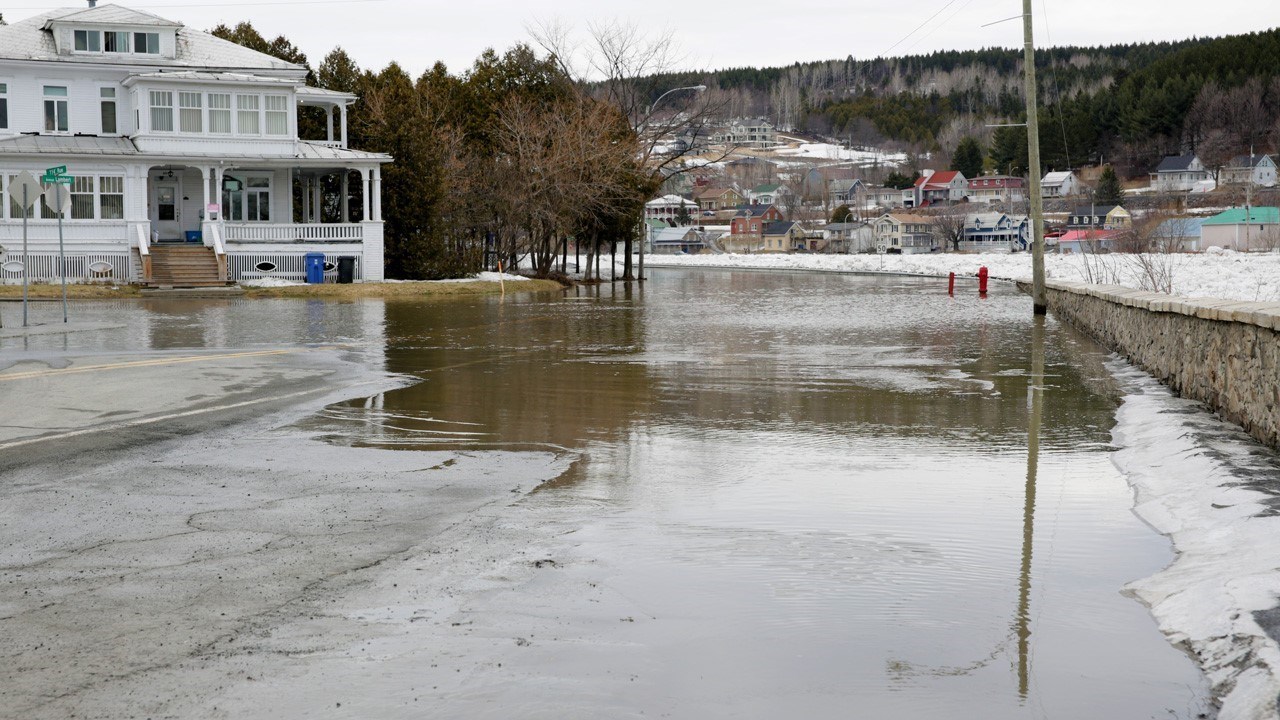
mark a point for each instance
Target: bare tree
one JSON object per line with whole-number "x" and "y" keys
{"x": 622, "y": 65}
{"x": 948, "y": 226}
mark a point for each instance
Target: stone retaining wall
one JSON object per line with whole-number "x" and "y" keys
{"x": 1223, "y": 353}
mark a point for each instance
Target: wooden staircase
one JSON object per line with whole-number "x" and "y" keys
{"x": 184, "y": 266}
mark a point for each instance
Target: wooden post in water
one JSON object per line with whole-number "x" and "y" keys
{"x": 1039, "y": 303}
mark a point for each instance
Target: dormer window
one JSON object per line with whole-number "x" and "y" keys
{"x": 88, "y": 41}
{"x": 146, "y": 43}
{"x": 115, "y": 42}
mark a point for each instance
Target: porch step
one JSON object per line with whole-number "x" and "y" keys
{"x": 184, "y": 266}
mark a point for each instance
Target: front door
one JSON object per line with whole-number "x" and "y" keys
{"x": 166, "y": 209}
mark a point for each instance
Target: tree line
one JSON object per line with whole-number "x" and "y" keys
{"x": 505, "y": 161}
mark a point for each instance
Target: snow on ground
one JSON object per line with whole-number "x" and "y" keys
{"x": 268, "y": 282}
{"x": 1225, "y": 275}
{"x": 1208, "y": 487}
{"x": 827, "y": 151}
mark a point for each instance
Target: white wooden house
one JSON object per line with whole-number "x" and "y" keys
{"x": 176, "y": 138}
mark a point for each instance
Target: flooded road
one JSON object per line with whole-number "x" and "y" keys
{"x": 763, "y": 495}
{"x": 797, "y": 494}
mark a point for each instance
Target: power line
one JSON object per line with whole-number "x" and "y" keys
{"x": 950, "y": 17}
{"x": 1057, "y": 91}
{"x": 223, "y": 4}
{"x": 920, "y": 26}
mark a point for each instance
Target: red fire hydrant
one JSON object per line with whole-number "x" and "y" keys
{"x": 982, "y": 280}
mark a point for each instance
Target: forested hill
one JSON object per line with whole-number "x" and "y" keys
{"x": 1128, "y": 103}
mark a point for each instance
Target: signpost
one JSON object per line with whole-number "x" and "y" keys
{"x": 58, "y": 198}
{"x": 24, "y": 190}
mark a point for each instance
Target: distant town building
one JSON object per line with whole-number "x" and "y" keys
{"x": 936, "y": 187}
{"x": 1243, "y": 229}
{"x": 669, "y": 207}
{"x": 1181, "y": 173}
{"x": 1257, "y": 170}
{"x": 755, "y": 133}
{"x": 997, "y": 189}
{"x": 1059, "y": 184}
{"x": 995, "y": 232}
{"x": 1099, "y": 217}
{"x": 905, "y": 233}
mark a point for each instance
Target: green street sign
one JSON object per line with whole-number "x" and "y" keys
{"x": 59, "y": 179}
{"x": 59, "y": 170}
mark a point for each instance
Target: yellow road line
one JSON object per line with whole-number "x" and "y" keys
{"x": 140, "y": 363}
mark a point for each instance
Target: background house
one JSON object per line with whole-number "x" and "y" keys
{"x": 995, "y": 232}
{"x": 673, "y": 209}
{"x": 905, "y": 233}
{"x": 1243, "y": 229}
{"x": 996, "y": 189}
{"x": 853, "y": 237}
{"x": 1181, "y": 173}
{"x": 1259, "y": 170}
{"x": 1059, "y": 185}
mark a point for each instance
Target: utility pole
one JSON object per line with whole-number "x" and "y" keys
{"x": 1039, "y": 303}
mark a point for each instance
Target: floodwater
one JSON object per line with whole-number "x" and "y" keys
{"x": 776, "y": 495}
{"x": 805, "y": 496}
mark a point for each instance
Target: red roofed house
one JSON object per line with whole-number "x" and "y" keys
{"x": 934, "y": 188}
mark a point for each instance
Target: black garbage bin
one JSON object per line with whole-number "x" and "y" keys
{"x": 346, "y": 268}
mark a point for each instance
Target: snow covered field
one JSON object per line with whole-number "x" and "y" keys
{"x": 827, "y": 151}
{"x": 1228, "y": 275}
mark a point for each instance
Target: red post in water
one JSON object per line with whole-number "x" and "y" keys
{"x": 982, "y": 280}
{"x": 951, "y": 284}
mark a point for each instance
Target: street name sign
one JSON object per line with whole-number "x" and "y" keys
{"x": 59, "y": 170}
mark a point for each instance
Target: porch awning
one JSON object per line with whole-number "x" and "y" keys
{"x": 68, "y": 145}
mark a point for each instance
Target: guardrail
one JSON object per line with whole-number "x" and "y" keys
{"x": 144, "y": 249}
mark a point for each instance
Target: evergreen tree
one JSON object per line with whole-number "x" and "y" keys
{"x": 899, "y": 181}
{"x": 968, "y": 158}
{"x": 842, "y": 214}
{"x": 1109, "y": 191}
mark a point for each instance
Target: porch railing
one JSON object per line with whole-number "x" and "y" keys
{"x": 144, "y": 249}
{"x": 290, "y": 232}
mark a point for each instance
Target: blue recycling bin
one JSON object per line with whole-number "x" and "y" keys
{"x": 315, "y": 267}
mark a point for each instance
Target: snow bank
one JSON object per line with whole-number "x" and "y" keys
{"x": 1207, "y": 486}
{"x": 827, "y": 151}
{"x": 1226, "y": 275}
{"x": 268, "y": 282}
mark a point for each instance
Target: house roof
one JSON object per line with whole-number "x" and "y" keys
{"x": 668, "y": 200}
{"x": 996, "y": 181}
{"x": 1094, "y": 210}
{"x": 1256, "y": 216}
{"x": 768, "y": 188}
{"x": 778, "y": 227}
{"x": 1247, "y": 161}
{"x": 840, "y": 185}
{"x": 938, "y": 179}
{"x": 1056, "y": 178}
{"x": 1180, "y": 227}
{"x": 675, "y": 235}
{"x": 30, "y": 39}
{"x": 1176, "y": 163}
{"x": 67, "y": 145}
{"x": 112, "y": 15}
{"x": 72, "y": 145}
{"x": 752, "y": 210}
{"x": 1078, "y": 235}
{"x": 713, "y": 192}
{"x": 907, "y": 218}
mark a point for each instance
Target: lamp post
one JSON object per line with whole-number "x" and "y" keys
{"x": 644, "y": 231}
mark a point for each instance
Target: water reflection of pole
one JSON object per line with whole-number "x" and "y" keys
{"x": 1035, "y": 402}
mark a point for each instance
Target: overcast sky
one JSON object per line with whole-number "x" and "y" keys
{"x": 709, "y": 35}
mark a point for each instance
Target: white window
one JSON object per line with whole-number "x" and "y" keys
{"x": 111, "y": 197}
{"x": 88, "y": 41}
{"x": 108, "y": 101}
{"x": 219, "y": 113}
{"x": 4, "y": 106}
{"x": 55, "y": 108}
{"x": 247, "y": 116}
{"x": 115, "y": 42}
{"x": 82, "y": 203}
{"x": 277, "y": 114}
{"x": 146, "y": 43}
{"x": 161, "y": 111}
{"x": 190, "y": 116}
{"x": 249, "y": 202}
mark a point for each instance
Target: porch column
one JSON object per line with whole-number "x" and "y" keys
{"x": 306, "y": 197}
{"x": 343, "y": 110}
{"x": 316, "y": 211}
{"x": 364, "y": 184}
{"x": 376, "y": 191}
{"x": 288, "y": 194}
{"x": 346, "y": 196}
{"x": 328, "y": 121}
{"x": 204, "y": 185}
{"x": 219, "y": 177}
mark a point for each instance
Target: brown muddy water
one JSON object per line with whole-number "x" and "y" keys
{"x": 773, "y": 496}
{"x": 798, "y": 496}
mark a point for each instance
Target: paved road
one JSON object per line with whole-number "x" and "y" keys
{"x": 161, "y": 520}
